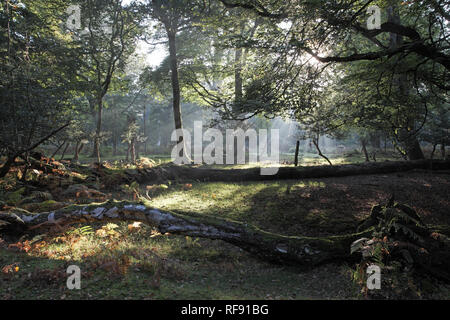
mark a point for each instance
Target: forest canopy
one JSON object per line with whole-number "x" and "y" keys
{"x": 329, "y": 119}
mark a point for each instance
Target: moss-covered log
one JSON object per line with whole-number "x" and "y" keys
{"x": 173, "y": 172}
{"x": 396, "y": 226}
{"x": 301, "y": 251}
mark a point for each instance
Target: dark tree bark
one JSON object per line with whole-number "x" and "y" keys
{"x": 364, "y": 149}
{"x": 96, "y": 151}
{"x": 172, "y": 172}
{"x": 412, "y": 146}
{"x": 175, "y": 83}
{"x": 315, "y": 141}
{"x": 57, "y": 149}
{"x": 145, "y": 130}
{"x": 78, "y": 148}
{"x": 133, "y": 150}
{"x": 76, "y": 152}
{"x": 414, "y": 151}
{"x": 297, "y": 148}
{"x": 433, "y": 151}
{"x": 65, "y": 150}
{"x": 175, "y": 80}
{"x": 238, "y": 83}
{"x": 115, "y": 134}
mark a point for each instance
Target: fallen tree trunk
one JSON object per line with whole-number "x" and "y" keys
{"x": 173, "y": 172}
{"x": 400, "y": 229}
{"x": 299, "y": 250}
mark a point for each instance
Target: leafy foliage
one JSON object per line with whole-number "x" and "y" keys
{"x": 400, "y": 245}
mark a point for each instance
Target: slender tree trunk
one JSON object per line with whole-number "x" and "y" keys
{"x": 297, "y": 148}
{"x": 315, "y": 141}
{"x": 65, "y": 150}
{"x": 443, "y": 150}
{"x": 175, "y": 85}
{"x": 114, "y": 136}
{"x": 364, "y": 149}
{"x": 98, "y": 131}
{"x": 138, "y": 149}
{"x": 238, "y": 90}
{"x": 432, "y": 151}
{"x": 133, "y": 150}
{"x": 81, "y": 148}
{"x": 145, "y": 130}
{"x": 78, "y": 149}
{"x": 57, "y": 149}
{"x": 75, "y": 156}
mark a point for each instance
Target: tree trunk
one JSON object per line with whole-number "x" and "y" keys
{"x": 299, "y": 250}
{"x": 114, "y": 136}
{"x": 175, "y": 85}
{"x": 412, "y": 146}
{"x": 65, "y": 150}
{"x": 133, "y": 150}
{"x": 75, "y": 156}
{"x": 78, "y": 151}
{"x": 137, "y": 146}
{"x": 238, "y": 92}
{"x": 315, "y": 141}
{"x": 432, "y": 151}
{"x": 96, "y": 151}
{"x": 364, "y": 149}
{"x": 297, "y": 148}
{"x": 57, "y": 149}
{"x": 145, "y": 131}
{"x": 173, "y": 172}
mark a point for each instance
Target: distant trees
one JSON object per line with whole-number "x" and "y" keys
{"x": 313, "y": 61}
{"x": 437, "y": 129}
{"x": 106, "y": 39}
{"x": 173, "y": 17}
{"x": 391, "y": 72}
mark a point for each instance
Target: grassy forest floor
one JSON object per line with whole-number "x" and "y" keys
{"x": 132, "y": 261}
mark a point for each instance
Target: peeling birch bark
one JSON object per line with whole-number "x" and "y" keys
{"x": 290, "y": 250}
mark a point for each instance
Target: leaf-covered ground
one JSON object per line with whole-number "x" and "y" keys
{"x": 131, "y": 261}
